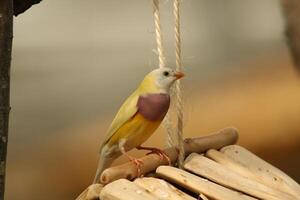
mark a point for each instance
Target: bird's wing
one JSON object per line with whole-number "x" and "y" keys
{"x": 125, "y": 113}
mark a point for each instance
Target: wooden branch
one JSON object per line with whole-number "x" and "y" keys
{"x": 261, "y": 168}
{"x": 198, "y": 185}
{"x": 267, "y": 178}
{"x": 6, "y": 20}
{"x": 21, "y": 6}
{"x": 128, "y": 170}
{"x": 220, "y": 174}
{"x": 291, "y": 11}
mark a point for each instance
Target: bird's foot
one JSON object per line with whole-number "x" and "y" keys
{"x": 138, "y": 163}
{"x": 157, "y": 151}
{"x": 161, "y": 154}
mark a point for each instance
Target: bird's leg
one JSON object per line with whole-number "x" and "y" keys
{"x": 157, "y": 151}
{"x": 135, "y": 161}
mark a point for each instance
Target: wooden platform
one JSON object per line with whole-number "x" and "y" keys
{"x": 231, "y": 173}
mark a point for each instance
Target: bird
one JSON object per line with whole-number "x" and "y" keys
{"x": 138, "y": 118}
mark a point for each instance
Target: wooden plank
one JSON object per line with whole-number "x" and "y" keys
{"x": 261, "y": 168}
{"x": 264, "y": 178}
{"x": 92, "y": 192}
{"x": 123, "y": 189}
{"x": 203, "y": 197}
{"x": 199, "y": 185}
{"x": 225, "y": 160}
{"x": 217, "y": 173}
{"x": 162, "y": 189}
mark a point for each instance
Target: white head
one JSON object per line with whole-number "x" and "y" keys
{"x": 163, "y": 78}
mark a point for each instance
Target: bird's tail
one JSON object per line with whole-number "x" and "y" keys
{"x": 102, "y": 165}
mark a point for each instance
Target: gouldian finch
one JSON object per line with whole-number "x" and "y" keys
{"x": 137, "y": 119}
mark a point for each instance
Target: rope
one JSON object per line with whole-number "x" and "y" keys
{"x": 158, "y": 33}
{"x": 162, "y": 63}
{"x": 179, "y": 103}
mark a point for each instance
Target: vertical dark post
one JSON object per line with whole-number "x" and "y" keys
{"x": 6, "y": 20}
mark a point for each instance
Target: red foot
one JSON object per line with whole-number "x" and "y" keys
{"x": 138, "y": 163}
{"x": 157, "y": 151}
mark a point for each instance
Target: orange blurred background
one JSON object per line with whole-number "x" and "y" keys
{"x": 74, "y": 62}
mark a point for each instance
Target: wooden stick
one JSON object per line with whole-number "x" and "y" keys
{"x": 203, "y": 197}
{"x": 222, "y": 175}
{"x": 161, "y": 189}
{"x": 197, "y": 184}
{"x": 128, "y": 170}
{"x": 226, "y": 161}
{"x": 91, "y": 193}
{"x": 216, "y": 140}
{"x": 125, "y": 190}
{"x": 260, "y": 167}
{"x": 268, "y": 179}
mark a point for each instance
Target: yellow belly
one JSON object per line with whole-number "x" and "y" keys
{"x": 136, "y": 131}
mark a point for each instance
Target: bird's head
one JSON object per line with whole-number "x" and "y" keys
{"x": 162, "y": 78}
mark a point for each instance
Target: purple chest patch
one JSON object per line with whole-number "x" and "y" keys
{"x": 154, "y": 106}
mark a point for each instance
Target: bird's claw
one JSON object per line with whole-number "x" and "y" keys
{"x": 138, "y": 163}
{"x": 161, "y": 154}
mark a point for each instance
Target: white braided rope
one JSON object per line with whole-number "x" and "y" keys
{"x": 162, "y": 63}
{"x": 158, "y": 33}
{"x": 179, "y": 102}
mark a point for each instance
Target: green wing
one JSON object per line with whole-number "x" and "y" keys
{"x": 125, "y": 113}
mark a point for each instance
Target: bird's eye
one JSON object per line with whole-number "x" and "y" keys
{"x": 166, "y": 73}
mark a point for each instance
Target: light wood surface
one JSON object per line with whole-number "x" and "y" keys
{"x": 123, "y": 189}
{"x": 90, "y": 193}
{"x": 162, "y": 189}
{"x": 199, "y": 185}
{"x": 263, "y": 169}
{"x": 222, "y": 175}
{"x": 272, "y": 181}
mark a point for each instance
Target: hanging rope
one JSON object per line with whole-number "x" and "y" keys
{"x": 171, "y": 141}
{"x": 162, "y": 63}
{"x": 158, "y": 33}
{"x": 179, "y": 103}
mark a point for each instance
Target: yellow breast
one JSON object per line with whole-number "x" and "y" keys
{"x": 136, "y": 131}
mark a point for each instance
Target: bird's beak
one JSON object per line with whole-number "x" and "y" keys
{"x": 178, "y": 75}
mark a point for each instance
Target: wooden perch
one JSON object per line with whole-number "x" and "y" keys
{"x": 222, "y": 175}
{"x": 232, "y": 173}
{"x": 216, "y": 140}
{"x": 161, "y": 189}
{"x": 198, "y": 185}
{"x": 128, "y": 170}
{"x": 270, "y": 179}
{"x": 142, "y": 188}
{"x": 125, "y": 190}
{"x": 226, "y": 161}
{"x": 91, "y": 193}
{"x": 265, "y": 171}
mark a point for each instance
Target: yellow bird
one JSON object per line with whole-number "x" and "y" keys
{"x": 137, "y": 119}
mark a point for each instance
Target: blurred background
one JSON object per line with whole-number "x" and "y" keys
{"x": 74, "y": 62}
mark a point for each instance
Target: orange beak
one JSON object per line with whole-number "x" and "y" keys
{"x": 178, "y": 75}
